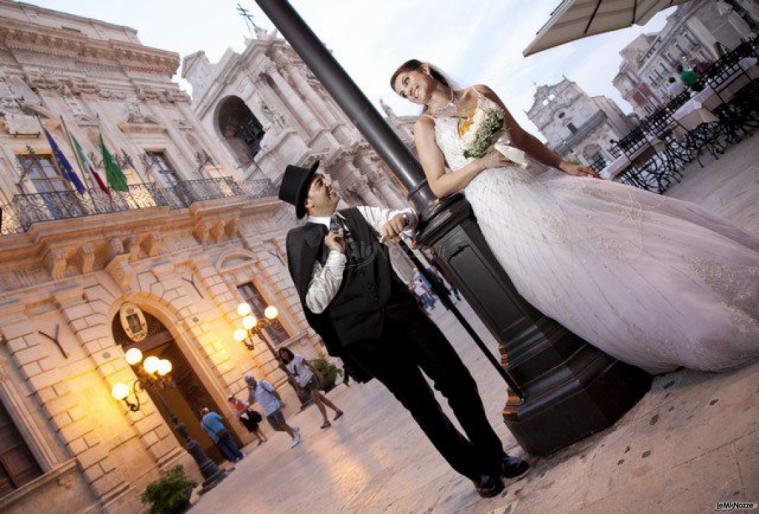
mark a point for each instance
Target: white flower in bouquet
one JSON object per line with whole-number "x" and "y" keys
{"x": 484, "y": 129}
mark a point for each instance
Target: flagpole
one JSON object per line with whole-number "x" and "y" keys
{"x": 81, "y": 167}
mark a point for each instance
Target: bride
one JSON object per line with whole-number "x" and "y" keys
{"x": 653, "y": 281}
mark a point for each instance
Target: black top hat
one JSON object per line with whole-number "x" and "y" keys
{"x": 295, "y": 184}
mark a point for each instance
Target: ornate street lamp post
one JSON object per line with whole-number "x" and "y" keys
{"x": 257, "y": 327}
{"x": 154, "y": 375}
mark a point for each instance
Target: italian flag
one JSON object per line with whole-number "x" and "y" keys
{"x": 113, "y": 173}
{"x": 87, "y": 164}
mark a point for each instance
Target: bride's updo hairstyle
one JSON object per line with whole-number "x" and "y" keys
{"x": 416, "y": 65}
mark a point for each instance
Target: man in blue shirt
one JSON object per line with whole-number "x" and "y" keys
{"x": 267, "y": 397}
{"x": 212, "y": 424}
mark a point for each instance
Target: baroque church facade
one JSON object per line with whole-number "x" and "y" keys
{"x": 267, "y": 110}
{"x": 161, "y": 264}
{"x": 577, "y": 127}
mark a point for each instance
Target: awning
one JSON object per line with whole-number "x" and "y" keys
{"x": 576, "y": 19}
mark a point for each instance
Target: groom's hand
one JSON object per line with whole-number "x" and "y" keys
{"x": 334, "y": 241}
{"x": 392, "y": 230}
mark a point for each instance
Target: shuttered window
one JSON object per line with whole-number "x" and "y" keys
{"x": 17, "y": 464}
{"x": 251, "y": 295}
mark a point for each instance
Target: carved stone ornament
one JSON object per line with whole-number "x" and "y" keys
{"x": 134, "y": 113}
{"x": 133, "y": 322}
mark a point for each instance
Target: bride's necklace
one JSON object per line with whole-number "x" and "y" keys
{"x": 449, "y": 109}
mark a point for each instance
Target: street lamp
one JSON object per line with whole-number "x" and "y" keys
{"x": 154, "y": 374}
{"x": 256, "y": 327}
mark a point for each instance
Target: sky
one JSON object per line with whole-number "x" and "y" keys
{"x": 472, "y": 41}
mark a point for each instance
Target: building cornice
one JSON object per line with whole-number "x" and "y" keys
{"x": 19, "y": 35}
{"x": 26, "y": 7}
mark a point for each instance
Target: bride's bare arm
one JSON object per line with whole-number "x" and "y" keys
{"x": 531, "y": 145}
{"x": 433, "y": 163}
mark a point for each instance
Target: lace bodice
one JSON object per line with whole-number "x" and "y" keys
{"x": 452, "y": 144}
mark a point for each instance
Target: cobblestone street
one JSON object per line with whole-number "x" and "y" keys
{"x": 692, "y": 441}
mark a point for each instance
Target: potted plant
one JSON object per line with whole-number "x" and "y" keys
{"x": 327, "y": 371}
{"x": 170, "y": 494}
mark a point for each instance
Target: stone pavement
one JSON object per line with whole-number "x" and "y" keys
{"x": 692, "y": 441}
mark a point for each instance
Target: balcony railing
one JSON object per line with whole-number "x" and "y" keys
{"x": 26, "y": 209}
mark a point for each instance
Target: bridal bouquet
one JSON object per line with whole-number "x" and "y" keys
{"x": 485, "y": 129}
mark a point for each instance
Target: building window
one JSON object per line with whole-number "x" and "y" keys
{"x": 42, "y": 171}
{"x": 251, "y": 295}
{"x": 17, "y": 464}
{"x": 691, "y": 39}
{"x": 242, "y": 131}
{"x": 571, "y": 127}
{"x": 561, "y": 115}
{"x": 160, "y": 164}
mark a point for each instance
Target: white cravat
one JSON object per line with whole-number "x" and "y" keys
{"x": 326, "y": 280}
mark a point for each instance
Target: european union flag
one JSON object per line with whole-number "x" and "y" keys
{"x": 64, "y": 164}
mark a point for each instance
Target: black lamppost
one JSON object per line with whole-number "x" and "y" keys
{"x": 257, "y": 327}
{"x": 154, "y": 375}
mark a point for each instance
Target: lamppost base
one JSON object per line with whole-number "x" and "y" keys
{"x": 212, "y": 481}
{"x": 570, "y": 388}
{"x": 589, "y": 392}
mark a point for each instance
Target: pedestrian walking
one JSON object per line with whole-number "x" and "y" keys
{"x": 267, "y": 397}
{"x": 307, "y": 378}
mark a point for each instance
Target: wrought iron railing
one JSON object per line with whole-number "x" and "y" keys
{"x": 26, "y": 209}
{"x": 259, "y": 188}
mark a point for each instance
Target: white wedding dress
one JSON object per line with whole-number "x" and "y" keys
{"x": 653, "y": 281}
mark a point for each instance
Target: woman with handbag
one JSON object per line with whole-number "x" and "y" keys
{"x": 308, "y": 379}
{"x": 213, "y": 425}
{"x": 250, "y": 418}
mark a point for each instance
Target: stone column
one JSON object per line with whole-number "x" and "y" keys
{"x": 358, "y": 183}
{"x": 371, "y": 166}
{"x": 299, "y": 108}
{"x": 315, "y": 103}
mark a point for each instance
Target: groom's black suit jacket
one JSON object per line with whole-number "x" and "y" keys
{"x": 369, "y": 286}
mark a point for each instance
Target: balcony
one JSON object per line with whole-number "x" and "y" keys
{"x": 26, "y": 209}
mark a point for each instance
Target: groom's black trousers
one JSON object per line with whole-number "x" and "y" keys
{"x": 411, "y": 343}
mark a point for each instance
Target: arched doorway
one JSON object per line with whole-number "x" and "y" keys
{"x": 240, "y": 129}
{"x": 189, "y": 395}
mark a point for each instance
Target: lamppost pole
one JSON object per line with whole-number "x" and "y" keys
{"x": 153, "y": 374}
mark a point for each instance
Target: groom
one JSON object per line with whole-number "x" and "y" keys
{"x": 366, "y": 316}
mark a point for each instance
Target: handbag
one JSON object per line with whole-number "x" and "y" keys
{"x": 255, "y": 416}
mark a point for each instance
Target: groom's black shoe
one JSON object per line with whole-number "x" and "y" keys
{"x": 511, "y": 467}
{"x": 488, "y": 485}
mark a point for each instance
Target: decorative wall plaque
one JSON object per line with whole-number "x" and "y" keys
{"x": 133, "y": 322}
